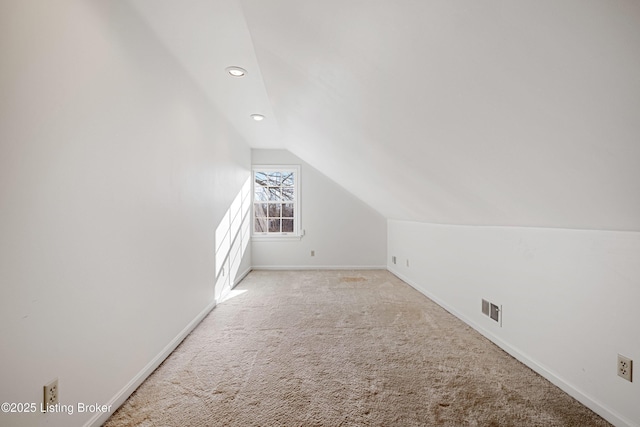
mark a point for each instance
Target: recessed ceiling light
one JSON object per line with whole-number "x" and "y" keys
{"x": 236, "y": 71}
{"x": 257, "y": 117}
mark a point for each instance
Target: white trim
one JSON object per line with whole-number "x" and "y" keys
{"x": 275, "y": 237}
{"x": 319, "y": 267}
{"x": 101, "y": 417}
{"x": 297, "y": 228}
{"x": 588, "y": 401}
{"x": 240, "y": 277}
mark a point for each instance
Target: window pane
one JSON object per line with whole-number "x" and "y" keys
{"x": 260, "y": 194}
{"x": 287, "y": 179}
{"x": 287, "y": 193}
{"x": 287, "y": 226}
{"x": 274, "y": 200}
{"x": 275, "y": 194}
{"x": 274, "y": 210}
{"x": 287, "y": 210}
{"x": 275, "y": 178}
{"x": 261, "y": 178}
{"x": 260, "y": 209}
{"x": 260, "y": 225}
{"x": 274, "y": 226}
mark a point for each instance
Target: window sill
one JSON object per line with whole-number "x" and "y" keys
{"x": 267, "y": 238}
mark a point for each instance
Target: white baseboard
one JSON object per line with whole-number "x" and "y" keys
{"x": 240, "y": 277}
{"x": 319, "y": 267}
{"x": 235, "y": 283}
{"x": 586, "y": 400}
{"x": 100, "y": 418}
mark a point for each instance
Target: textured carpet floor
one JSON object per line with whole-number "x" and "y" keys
{"x": 342, "y": 348}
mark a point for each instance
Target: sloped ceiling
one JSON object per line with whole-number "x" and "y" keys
{"x": 490, "y": 112}
{"x": 206, "y": 37}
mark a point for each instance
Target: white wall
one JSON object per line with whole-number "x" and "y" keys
{"x": 353, "y": 235}
{"x": 569, "y": 298}
{"x": 114, "y": 174}
{"x": 233, "y": 252}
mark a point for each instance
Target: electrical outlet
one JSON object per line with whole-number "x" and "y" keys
{"x": 625, "y": 367}
{"x": 313, "y": 253}
{"x": 51, "y": 394}
{"x": 393, "y": 259}
{"x": 407, "y": 263}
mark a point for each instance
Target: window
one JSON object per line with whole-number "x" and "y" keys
{"x": 276, "y": 201}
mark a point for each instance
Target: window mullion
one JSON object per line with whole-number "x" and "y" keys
{"x": 274, "y": 180}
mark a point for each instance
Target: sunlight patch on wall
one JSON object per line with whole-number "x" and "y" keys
{"x": 231, "y": 241}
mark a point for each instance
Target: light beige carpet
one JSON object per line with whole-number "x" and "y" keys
{"x": 342, "y": 348}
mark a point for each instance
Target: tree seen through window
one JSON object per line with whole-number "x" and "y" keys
{"x": 274, "y": 200}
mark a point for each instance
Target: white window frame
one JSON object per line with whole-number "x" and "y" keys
{"x": 297, "y": 231}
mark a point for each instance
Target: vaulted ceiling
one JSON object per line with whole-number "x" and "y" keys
{"x": 523, "y": 113}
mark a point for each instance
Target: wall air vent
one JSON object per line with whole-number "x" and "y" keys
{"x": 495, "y": 312}
{"x": 492, "y": 311}
{"x": 485, "y": 307}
